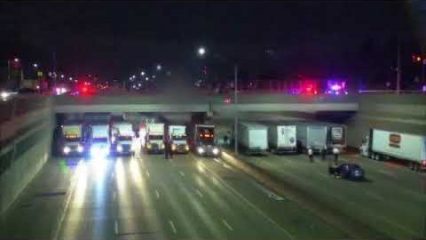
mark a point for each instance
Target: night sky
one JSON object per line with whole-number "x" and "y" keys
{"x": 275, "y": 39}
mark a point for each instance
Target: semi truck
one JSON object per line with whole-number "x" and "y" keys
{"x": 99, "y": 140}
{"x": 204, "y": 143}
{"x": 252, "y": 138}
{"x": 154, "y": 139}
{"x": 385, "y": 145}
{"x": 72, "y": 139}
{"x": 178, "y": 137}
{"x": 122, "y": 138}
{"x": 282, "y": 138}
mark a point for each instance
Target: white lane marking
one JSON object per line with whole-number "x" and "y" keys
{"x": 172, "y": 225}
{"x": 227, "y": 225}
{"x": 217, "y": 160}
{"x": 251, "y": 205}
{"x": 324, "y": 175}
{"x": 182, "y": 173}
{"x": 387, "y": 173}
{"x": 114, "y": 196}
{"x": 157, "y": 194}
{"x": 374, "y": 195}
{"x": 147, "y": 173}
{"x": 199, "y": 193}
{"x": 226, "y": 166}
{"x": 268, "y": 192}
{"x": 116, "y": 227}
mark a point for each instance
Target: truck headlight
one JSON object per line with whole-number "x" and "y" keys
{"x": 215, "y": 151}
{"x": 161, "y": 146}
{"x": 80, "y": 148}
{"x": 119, "y": 148}
{"x": 173, "y": 147}
{"x": 148, "y": 146}
{"x": 186, "y": 147}
{"x": 66, "y": 150}
{"x": 200, "y": 150}
{"x": 98, "y": 151}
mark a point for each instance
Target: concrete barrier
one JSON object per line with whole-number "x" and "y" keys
{"x": 26, "y": 145}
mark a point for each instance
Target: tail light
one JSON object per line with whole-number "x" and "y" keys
{"x": 424, "y": 163}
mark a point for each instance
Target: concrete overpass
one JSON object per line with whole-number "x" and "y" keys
{"x": 198, "y": 103}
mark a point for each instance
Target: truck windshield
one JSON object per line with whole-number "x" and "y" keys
{"x": 72, "y": 139}
{"x": 155, "y": 137}
{"x": 124, "y": 138}
{"x": 179, "y": 137}
{"x": 100, "y": 140}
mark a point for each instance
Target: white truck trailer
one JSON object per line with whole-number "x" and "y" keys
{"x": 154, "y": 139}
{"x": 383, "y": 145}
{"x": 177, "y": 134}
{"x": 312, "y": 135}
{"x": 253, "y": 138}
{"x": 282, "y": 138}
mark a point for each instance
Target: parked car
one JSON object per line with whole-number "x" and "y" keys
{"x": 348, "y": 171}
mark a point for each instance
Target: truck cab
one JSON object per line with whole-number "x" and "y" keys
{"x": 178, "y": 137}
{"x": 72, "y": 141}
{"x": 99, "y": 140}
{"x": 204, "y": 141}
{"x": 154, "y": 139}
{"x": 122, "y": 138}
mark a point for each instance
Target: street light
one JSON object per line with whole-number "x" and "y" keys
{"x": 142, "y": 73}
{"x": 201, "y": 51}
{"x": 159, "y": 67}
{"x": 16, "y": 60}
{"x": 35, "y": 65}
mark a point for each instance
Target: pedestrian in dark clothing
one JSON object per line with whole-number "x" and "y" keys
{"x": 336, "y": 155}
{"x": 166, "y": 148}
{"x": 323, "y": 153}
{"x": 311, "y": 154}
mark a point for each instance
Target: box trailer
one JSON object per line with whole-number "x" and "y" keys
{"x": 312, "y": 135}
{"x": 282, "y": 138}
{"x": 383, "y": 144}
{"x": 253, "y": 137}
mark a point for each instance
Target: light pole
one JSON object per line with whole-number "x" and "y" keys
{"x": 236, "y": 109}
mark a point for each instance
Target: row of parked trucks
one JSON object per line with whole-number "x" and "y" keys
{"x": 291, "y": 137}
{"x": 101, "y": 138}
{"x": 257, "y": 138}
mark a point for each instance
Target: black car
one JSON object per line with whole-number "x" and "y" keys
{"x": 349, "y": 171}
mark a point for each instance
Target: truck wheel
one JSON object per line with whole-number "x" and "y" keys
{"x": 411, "y": 166}
{"x": 416, "y": 167}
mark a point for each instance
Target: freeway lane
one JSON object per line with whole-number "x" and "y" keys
{"x": 391, "y": 201}
{"x": 148, "y": 197}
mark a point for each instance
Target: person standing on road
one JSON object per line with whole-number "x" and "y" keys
{"x": 311, "y": 154}
{"x": 166, "y": 147}
{"x": 324, "y": 153}
{"x": 336, "y": 155}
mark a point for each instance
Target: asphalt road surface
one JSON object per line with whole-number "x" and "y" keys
{"x": 392, "y": 200}
{"x": 148, "y": 197}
